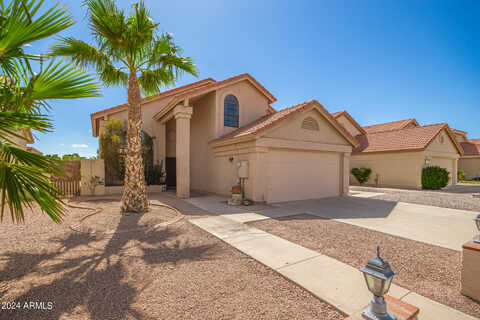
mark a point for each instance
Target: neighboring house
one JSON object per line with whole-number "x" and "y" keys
{"x": 207, "y": 130}
{"x": 397, "y": 151}
{"x": 470, "y": 161}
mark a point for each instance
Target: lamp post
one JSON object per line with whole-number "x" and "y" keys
{"x": 477, "y": 222}
{"x": 378, "y": 276}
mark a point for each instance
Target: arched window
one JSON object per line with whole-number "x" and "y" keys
{"x": 230, "y": 111}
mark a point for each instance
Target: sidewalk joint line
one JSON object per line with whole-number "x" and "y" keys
{"x": 300, "y": 261}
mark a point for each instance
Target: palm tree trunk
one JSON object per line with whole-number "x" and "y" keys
{"x": 135, "y": 194}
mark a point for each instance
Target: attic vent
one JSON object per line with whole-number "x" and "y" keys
{"x": 310, "y": 124}
{"x": 442, "y": 139}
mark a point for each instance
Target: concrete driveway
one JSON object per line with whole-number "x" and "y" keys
{"x": 449, "y": 228}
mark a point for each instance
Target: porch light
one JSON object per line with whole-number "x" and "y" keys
{"x": 477, "y": 222}
{"x": 378, "y": 276}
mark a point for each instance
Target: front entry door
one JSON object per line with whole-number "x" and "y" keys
{"x": 171, "y": 171}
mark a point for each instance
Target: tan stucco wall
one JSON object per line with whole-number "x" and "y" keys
{"x": 202, "y": 128}
{"x": 88, "y": 169}
{"x": 293, "y": 130}
{"x": 447, "y": 147}
{"x": 223, "y": 172}
{"x": 442, "y": 152}
{"x": 348, "y": 125}
{"x": 395, "y": 169}
{"x": 471, "y": 166}
{"x": 252, "y": 105}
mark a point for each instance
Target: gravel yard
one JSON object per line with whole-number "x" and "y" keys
{"x": 431, "y": 271}
{"x": 179, "y": 272}
{"x": 445, "y": 199}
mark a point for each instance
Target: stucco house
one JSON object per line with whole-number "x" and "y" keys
{"x": 470, "y": 160}
{"x": 397, "y": 151}
{"x": 209, "y": 131}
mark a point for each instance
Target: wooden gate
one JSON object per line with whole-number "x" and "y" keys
{"x": 68, "y": 183}
{"x": 68, "y": 187}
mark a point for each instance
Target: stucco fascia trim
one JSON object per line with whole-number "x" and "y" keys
{"x": 439, "y": 154}
{"x": 237, "y": 152}
{"x": 301, "y": 145}
{"x": 470, "y": 157}
{"x": 231, "y": 141}
{"x": 388, "y": 151}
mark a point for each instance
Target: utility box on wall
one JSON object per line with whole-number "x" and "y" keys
{"x": 242, "y": 169}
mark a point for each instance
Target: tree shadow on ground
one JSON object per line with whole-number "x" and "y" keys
{"x": 88, "y": 273}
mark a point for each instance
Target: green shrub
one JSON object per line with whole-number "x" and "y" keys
{"x": 461, "y": 175}
{"x": 434, "y": 178}
{"x": 361, "y": 174}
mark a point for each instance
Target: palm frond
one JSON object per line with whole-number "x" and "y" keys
{"x": 82, "y": 53}
{"x": 24, "y": 177}
{"x": 163, "y": 53}
{"x": 19, "y": 25}
{"x": 12, "y": 123}
{"x": 107, "y": 21}
{"x": 112, "y": 76}
{"x": 63, "y": 81}
{"x": 151, "y": 81}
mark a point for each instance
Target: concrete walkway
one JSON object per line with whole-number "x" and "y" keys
{"x": 331, "y": 280}
{"x": 444, "y": 227}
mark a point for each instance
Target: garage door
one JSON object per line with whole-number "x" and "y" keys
{"x": 300, "y": 175}
{"x": 444, "y": 163}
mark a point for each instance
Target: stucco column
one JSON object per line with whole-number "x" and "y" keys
{"x": 345, "y": 174}
{"x": 455, "y": 172}
{"x": 183, "y": 115}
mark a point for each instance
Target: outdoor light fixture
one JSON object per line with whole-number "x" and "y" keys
{"x": 477, "y": 222}
{"x": 378, "y": 276}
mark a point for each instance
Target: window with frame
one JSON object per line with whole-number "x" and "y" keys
{"x": 230, "y": 111}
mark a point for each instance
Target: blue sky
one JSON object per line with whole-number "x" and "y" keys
{"x": 380, "y": 60}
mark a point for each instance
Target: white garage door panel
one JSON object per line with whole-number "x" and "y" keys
{"x": 300, "y": 175}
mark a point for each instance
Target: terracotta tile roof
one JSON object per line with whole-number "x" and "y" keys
{"x": 389, "y": 126}
{"x": 471, "y": 147}
{"x": 217, "y": 84}
{"x": 416, "y": 138}
{"x": 269, "y": 120}
{"x": 163, "y": 94}
{"x": 338, "y": 114}
{"x": 463, "y": 133}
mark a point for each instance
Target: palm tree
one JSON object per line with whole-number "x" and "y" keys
{"x": 24, "y": 96}
{"x": 130, "y": 53}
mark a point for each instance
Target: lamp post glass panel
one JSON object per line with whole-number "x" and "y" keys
{"x": 378, "y": 276}
{"x": 477, "y": 223}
